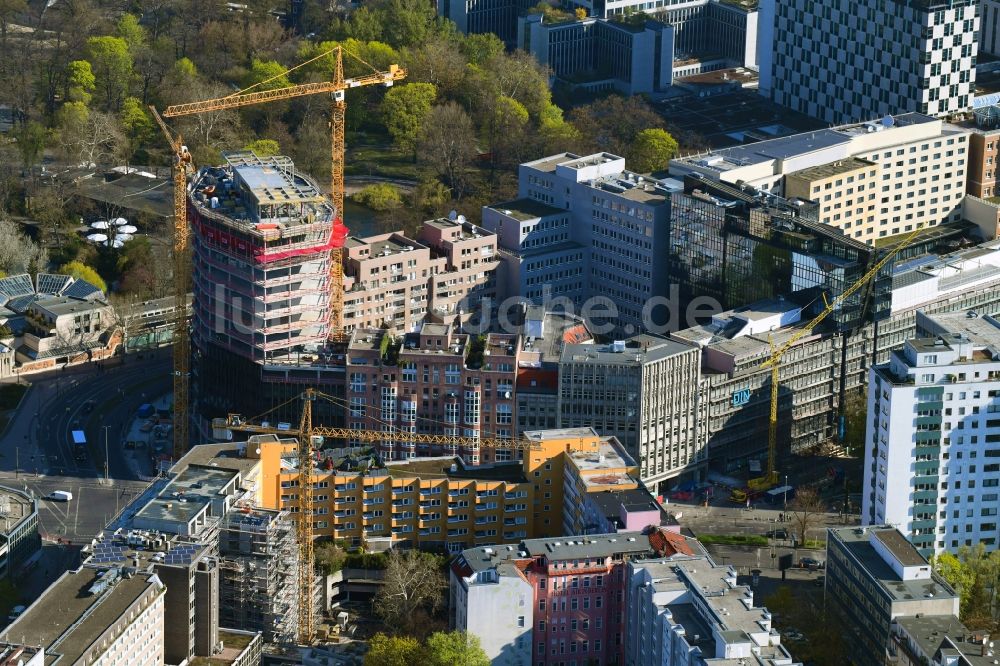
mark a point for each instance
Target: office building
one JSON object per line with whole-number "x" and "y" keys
{"x": 859, "y": 62}
{"x": 610, "y": 50}
{"x": 483, "y": 16}
{"x": 93, "y": 615}
{"x": 929, "y": 468}
{"x": 262, "y": 235}
{"x": 874, "y": 576}
{"x": 989, "y": 27}
{"x": 20, "y": 541}
{"x": 928, "y": 639}
{"x": 686, "y": 609}
{"x": 391, "y": 281}
{"x": 824, "y": 367}
{"x": 538, "y": 255}
{"x": 642, "y": 391}
{"x": 871, "y": 180}
{"x": 620, "y": 219}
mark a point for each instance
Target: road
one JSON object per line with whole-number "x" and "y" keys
{"x": 36, "y": 450}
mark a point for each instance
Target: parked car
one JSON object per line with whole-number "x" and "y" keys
{"x": 15, "y": 613}
{"x": 810, "y": 563}
{"x": 776, "y": 534}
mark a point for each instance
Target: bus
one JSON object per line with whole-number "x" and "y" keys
{"x": 79, "y": 445}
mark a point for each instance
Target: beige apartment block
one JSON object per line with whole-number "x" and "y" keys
{"x": 470, "y": 253}
{"x": 385, "y": 282}
{"x": 391, "y": 281}
{"x": 847, "y": 192}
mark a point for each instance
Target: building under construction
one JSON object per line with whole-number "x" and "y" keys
{"x": 259, "y": 568}
{"x": 262, "y": 235}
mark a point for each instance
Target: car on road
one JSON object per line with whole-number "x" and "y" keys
{"x": 88, "y": 406}
{"x": 59, "y": 496}
{"x": 776, "y": 534}
{"x": 810, "y": 563}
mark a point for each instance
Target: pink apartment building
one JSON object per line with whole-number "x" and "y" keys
{"x": 436, "y": 381}
{"x": 556, "y": 601}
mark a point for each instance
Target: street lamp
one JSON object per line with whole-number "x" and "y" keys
{"x": 106, "y": 453}
{"x": 786, "y": 492}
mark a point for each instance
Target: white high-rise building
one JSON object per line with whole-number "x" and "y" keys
{"x": 853, "y": 61}
{"x": 932, "y": 454}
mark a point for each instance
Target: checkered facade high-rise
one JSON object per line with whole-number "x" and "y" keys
{"x": 843, "y": 61}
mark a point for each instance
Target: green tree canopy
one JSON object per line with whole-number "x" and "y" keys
{"x": 131, "y": 32}
{"x": 392, "y": 651}
{"x": 379, "y": 197}
{"x": 81, "y": 271}
{"x": 651, "y": 149}
{"x": 31, "y": 139}
{"x": 112, "y": 65}
{"x": 454, "y": 648}
{"x": 80, "y": 80}
{"x": 330, "y": 556}
{"x": 136, "y": 124}
{"x": 264, "y": 147}
{"x": 405, "y": 109}
{"x": 480, "y": 48}
{"x": 266, "y": 75}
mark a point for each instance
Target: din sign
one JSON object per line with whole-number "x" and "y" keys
{"x": 741, "y": 397}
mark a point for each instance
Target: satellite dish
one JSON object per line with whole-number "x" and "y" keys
{"x": 887, "y": 121}
{"x": 461, "y": 218}
{"x": 258, "y": 450}
{"x": 453, "y": 215}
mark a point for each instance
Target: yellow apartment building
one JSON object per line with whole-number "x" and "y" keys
{"x": 441, "y": 502}
{"x": 847, "y": 192}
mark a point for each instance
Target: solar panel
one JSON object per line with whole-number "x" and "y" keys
{"x": 16, "y": 285}
{"x": 81, "y": 289}
{"x": 50, "y": 283}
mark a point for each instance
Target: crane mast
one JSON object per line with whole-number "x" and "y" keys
{"x": 182, "y": 275}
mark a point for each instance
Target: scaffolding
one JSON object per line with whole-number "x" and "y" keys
{"x": 258, "y": 562}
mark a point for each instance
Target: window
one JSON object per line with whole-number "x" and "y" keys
{"x": 520, "y": 620}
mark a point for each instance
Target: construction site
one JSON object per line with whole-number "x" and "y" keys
{"x": 259, "y": 569}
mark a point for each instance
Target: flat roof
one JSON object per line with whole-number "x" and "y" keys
{"x": 526, "y": 209}
{"x": 14, "y": 506}
{"x": 66, "y": 619}
{"x": 228, "y": 455}
{"x": 901, "y": 549}
{"x": 587, "y": 547}
{"x": 639, "y": 349}
{"x": 63, "y": 305}
{"x": 946, "y": 632}
{"x": 188, "y": 494}
{"x": 549, "y": 164}
{"x": 440, "y": 467}
{"x": 831, "y": 169}
{"x": 856, "y": 542}
{"x": 559, "y": 433}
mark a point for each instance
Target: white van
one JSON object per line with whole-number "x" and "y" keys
{"x": 60, "y": 496}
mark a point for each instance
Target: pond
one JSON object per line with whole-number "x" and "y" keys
{"x": 360, "y": 220}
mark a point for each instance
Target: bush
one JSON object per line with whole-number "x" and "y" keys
{"x": 366, "y": 561}
{"x": 734, "y": 539}
{"x": 380, "y": 197}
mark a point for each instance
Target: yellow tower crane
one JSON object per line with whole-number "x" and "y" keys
{"x": 305, "y": 434}
{"x": 183, "y": 165}
{"x": 770, "y": 479}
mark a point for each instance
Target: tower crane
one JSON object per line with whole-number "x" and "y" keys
{"x": 770, "y": 479}
{"x": 336, "y": 87}
{"x": 305, "y": 434}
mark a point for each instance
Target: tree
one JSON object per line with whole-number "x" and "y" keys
{"x": 83, "y": 272}
{"x": 330, "y": 556}
{"x": 89, "y": 137}
{"x": 448, "y": 143}
{"x": 379, "y": 197}
{"x": 126, "y": 314}
{"x": 480, "y": 48}
{"x": 412, "y": 590}
{"x": 651, "y": 149}
{"x": 9, "y": 10}
{"x": 430, "y": 197}
{"x": 18, "y": 253}
{"x": 505, "y": 131}
{"x": 405, "y": 109}
{"x": 129, "y": 30}
{"x": 611, "y": 124}
{"x": 437, "y": 62}
{"x": 975, "y": 575}
{"x": 454, "y": 648}
{"x": 806, "y": 509}
{"x": 264, "y": 147}
{"x": 30, "y": 143}
{"x": 136, "y": 125}
{"x": 80, "y": 81}
{"x": 392, "y": 651}
{"x": 112, "y": 65}
{"x": 266, "y": 75}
